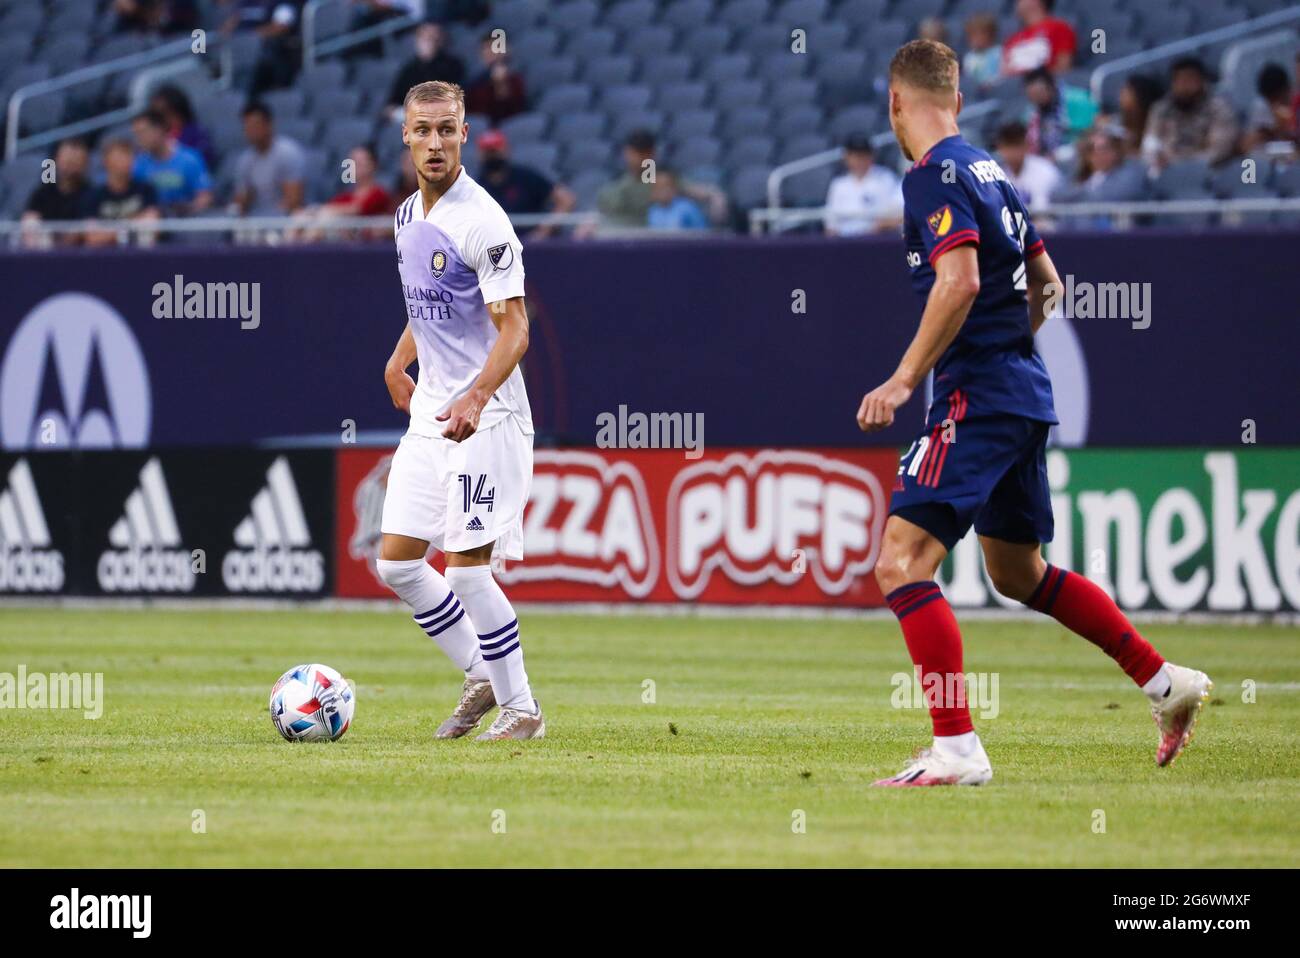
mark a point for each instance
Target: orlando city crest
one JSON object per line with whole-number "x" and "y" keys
{"x": 940, "y": 221}
{"x": 439, "y": 264}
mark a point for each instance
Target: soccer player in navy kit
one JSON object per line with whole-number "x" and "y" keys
{"x": 984, "y": 278}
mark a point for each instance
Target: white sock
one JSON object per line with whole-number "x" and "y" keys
{"x": 964, "y": 745}
{"x": 1158, "y": 685}
{"x": 498, "y": 633}
{"x": 437, "y": 611}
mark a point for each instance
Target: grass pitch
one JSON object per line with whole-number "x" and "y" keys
{"x": 755, "y": 725}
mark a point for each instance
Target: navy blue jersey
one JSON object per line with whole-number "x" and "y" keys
{"x": 955, "y": 195}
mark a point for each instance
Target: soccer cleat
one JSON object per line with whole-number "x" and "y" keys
{"x": 932, "y": 767}
{"x": 1177, "y": 712}
{"x": 476, "y": 700}
{"x": 516, "y": 723}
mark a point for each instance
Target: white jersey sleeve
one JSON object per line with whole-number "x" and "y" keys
{"x": 494, "y": 252}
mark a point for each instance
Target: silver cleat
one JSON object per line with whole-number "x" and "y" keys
{"x": 516, "y": 723}
{"x": 476, "y": 700}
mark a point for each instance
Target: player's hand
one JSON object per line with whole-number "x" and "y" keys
{"x": 462, "y": 417}
{"x": 400, "y": 388}
{"x": 878, "y": 406}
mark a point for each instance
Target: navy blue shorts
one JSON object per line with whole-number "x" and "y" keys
{"x": 984, "y": 469}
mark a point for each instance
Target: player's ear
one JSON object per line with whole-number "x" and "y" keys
{"x": 960, "y": 101}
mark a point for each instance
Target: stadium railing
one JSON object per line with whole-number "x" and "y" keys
{"x": 277, "y": 230}
{"x": 315, "y": 47}
{"x": 1118, "y": 216}
{"x": 1125, "y": 65}
{"x": 168, "y": 58}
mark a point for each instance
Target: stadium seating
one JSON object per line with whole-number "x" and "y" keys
{"x": 714, "y": 79}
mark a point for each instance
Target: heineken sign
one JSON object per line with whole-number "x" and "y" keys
{"x": 1176, "y": 530}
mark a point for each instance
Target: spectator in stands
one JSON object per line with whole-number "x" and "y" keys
{"x": 1190, "y": 122}
{"x": 669, "y": 209}
{"x": 498, "y": 91}
{"x": 1114, "y": 179}
{"x": 431, "y": 62}
{"x": 866, "y": 197}
{"x": 280, "y": 55}
{"x": 269, "y": 174}
{"x": 932, "y": 28}
{"x": 1272, "y": 116}
{"x": 64, "y": 192}
{"x": 407, "y": 181}
{"x": 1136, "y": 98}
{"x": 517, "y": 188}
{"x": 177, "y": 174}
{"x": 625, "y": 202}
{"x": 1045, "y": 41}
{"x": 365, "y": 196}
{"x": 1058, "y": 113}
{"x": 122, "y": 196}
{"x": 1035, "y": 178}
{"x": 982, "y": 64}
{"x": 140, "y": 16}
{"x": 175, "y": 107}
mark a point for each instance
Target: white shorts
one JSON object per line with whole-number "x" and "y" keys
{"x": 461, "y": 496}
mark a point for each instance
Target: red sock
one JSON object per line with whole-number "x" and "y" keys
{"x": 934, "y": 642}
{"x": 1082, "y": 606}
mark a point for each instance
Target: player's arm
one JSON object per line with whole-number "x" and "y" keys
{"x": 400, "y": 384}
{"x": 956, "y": 284}
{"x": 1043, "y": 278}
{"x": 511, "y": 321}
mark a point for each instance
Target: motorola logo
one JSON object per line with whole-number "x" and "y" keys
{"x": 73, "y": 376}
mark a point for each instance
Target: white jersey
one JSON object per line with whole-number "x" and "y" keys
{"x": 453, "y": 262}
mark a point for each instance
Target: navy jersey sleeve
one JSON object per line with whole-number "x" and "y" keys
{"x": 1032, "y": 241}
{"x": 943, "y": 212}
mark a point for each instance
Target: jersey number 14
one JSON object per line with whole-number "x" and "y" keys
{"x": 472, "y": 491}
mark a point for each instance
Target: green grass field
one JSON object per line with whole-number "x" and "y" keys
{"x": 754, "y": 720}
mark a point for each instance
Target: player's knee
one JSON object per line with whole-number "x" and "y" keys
{"x": 892, "y": 571}
{"x": 1015, "y": 580}
{"x": 397, "y": 574}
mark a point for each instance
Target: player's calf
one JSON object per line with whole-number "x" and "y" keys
{"x": 497, "y": 636}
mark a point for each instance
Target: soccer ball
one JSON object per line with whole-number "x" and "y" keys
{"x": 312, "y": 703}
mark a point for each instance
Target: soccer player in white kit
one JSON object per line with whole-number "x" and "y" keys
{"x": 460, "y": 477}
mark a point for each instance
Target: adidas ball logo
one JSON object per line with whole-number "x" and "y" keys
{"x": 273, "y": 542}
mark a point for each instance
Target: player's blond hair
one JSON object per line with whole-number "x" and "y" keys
{"x": 927, "y": 65}
{"x": 432, "y": 91}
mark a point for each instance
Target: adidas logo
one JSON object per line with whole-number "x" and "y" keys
{"x": 146, "y": 553}
{"x": 474, "y": 525}
{"x": 273, "y": 542}
{"x": 27, "y": 563}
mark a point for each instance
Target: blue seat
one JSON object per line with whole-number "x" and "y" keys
{"x": 737, "y": 93}
{"x": 575, "y": 127}
{"x": 682, "y": 96}
{"x": 526, "y": 127}
{"x": 609, "y": 71}
{"x": 746, "y": 121}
